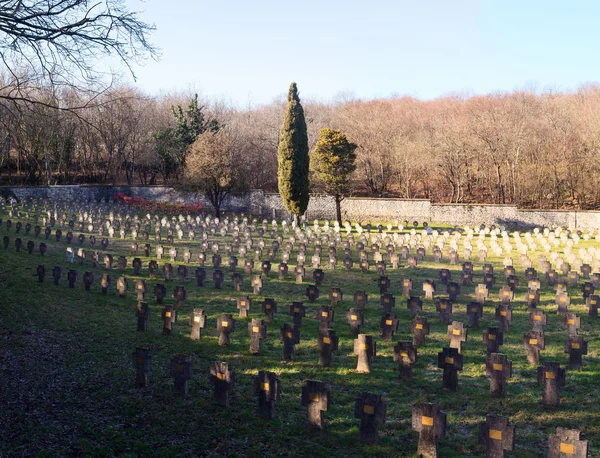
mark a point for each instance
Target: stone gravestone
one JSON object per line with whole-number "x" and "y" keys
{"x": 457, "y": 334}
{"x": 420, "y": 328}
{"x": 497, "y": 435}
{"x": 414, "y": 304}
{"x": 168, "y": 316}
{"x": 451, "y": 361}
{"x": 225, "y": 326}
{"x": 371, "y": 410}
{"x": 300, "y": 272}
{"x": 40, "y": 273}
{"x": 142, "y": 312}
{"x": 200, "y": 276}
{"x": 429, "y": 289}
{"x": 325, "y": 316}
{"x": 72, "y": 278}
{"x": 105, "y": 283}
{"x": 571, "y": 322}
{"x": 494, "y": 339}
{"x": 142, "y": 363}
{"x": 406, "y": 287}
{"x": 562, "y": 301}
{"x": 537, "y": 320}
{"x": 218, "y": 278}
{"x": 327, "y": 343}
{"x": 576, "y": 347}
{"x": 122, "y": 285}
{"x": 533, "y": 298}
{"x": 355, "y": 319}
{"x": 269, "y": 308}
{"x": 552, "y": 377}
{"x": 290, "y": 336}
{"x": 243, "y": 304}
{"x": 360, "y": 299}
{"x": 567, "y": 443}
{"x": 297, "y": 311}
{"x": 197, "y": 322}
{"x": 444, "y": 307}
{"x": 366, "y": 350}
{"x": 388, "y": 301}
{"x": 474, "y": 312}
{"x": 504, "y": 316}
{"x": 389, "y": 325}
{"x": 312, "y": 293}
{"x": 335, "y": 296}
{"x": 160, "y": 292}
{"x": 315, "y": 397}
{"x": 430, "y": 422}
{"x": 498, "y": 369}
{"x": 257, "y": 284}
{"x": 593, "y": 302}
{"x": 181, "y": 370}
{"x": 405, "y": 354}
{"x": 223, "y": 380}
{"x": 534, "y": 342}
{"x": 257, "y": 332}
{"x": 266, "y": 388}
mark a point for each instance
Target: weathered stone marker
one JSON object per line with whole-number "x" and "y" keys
{"x": 327, "y": 343}
{"x": 257, "y": 331}
{"x": 223, "y": 380}
{"x": 243, "y": 304}
{"x": 576, "y": 347}
{"x": 269, "y": 308}
{"x": 297, "y": 311}
{"x": 474, "y": 312}
{"x": 552, "y": 377}
{"x": 494, "y": 339}
{"x": 504, "y": 316}
{"x": 371, "y": 410}
{"x": 290, "y": 336}
{"x": 266, "y": 388}
{"x": 430, "y": 422}
{"x": 457, "y": 334}
{"x": 405, "y": 354}
{"x": 534, "y": 342}
{"x": 444, "y": 307}
{"x": 168, "y": 316}
{"x": 355, "y": 318}
{"x": 197, "y": 322}
{"x": 451, "y": 361}
{"x": 315, "y": 397}
{"x": 498, "y": 369}
{"x": 225, "y": 326}
{"x": 142, "y": 363}
{"x": 142, "y": 312}
{"x": 366, "y": 350}
{"x": 497, "y": 435}
{"x": 420, "y": 328}
{"x": 181, "y": 370}
{"x": 567, "y": 443}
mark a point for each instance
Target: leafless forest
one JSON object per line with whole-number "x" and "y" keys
{"x": 536, "y": 149}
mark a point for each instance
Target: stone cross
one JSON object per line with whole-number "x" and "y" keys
{"x": 405, "y": 354}
{"x": 168, "y": 271}
{"x": 40, "y": 272}
{"x": 72, "y": 278}
{"x": 325, "y": 316}
{"x": 566, "y": 443}
{"x": 593, "y": 302}
{"x": 366, "y": 349}
{"x": 290, "y": 336}
{"x": 474, "y": 312}
{"x": 181, "y": 370}
{"x": 243, "y": 304}
{"x": 88, "y": 280}
{"x": 457, "y": 334}
{"x": 298, "y": 311}
{"x": 481, "y": 293}
{"x": 180, "y": 295}
{"x": 153, "y": 268}
{"x": 265, "y": 268}
{"x": 388, "y": 301}
{"x": 257, "y": 332}
{"x": 248, "y": 266}
{"x": 237, "y": 281}
{"x": 489, "y": 280}
{"x": 571, "y": 322}
{"x": 200, "y": 276}
{"x": 122, "y": 285}
{"x": 327, "y": 342}
{"x": 105, "y": 283}
{"x": 504, "y": 316}
{"x": 182, "y": 273}
{"x": 533, "y": 298}
{"x": 160, "y": 292}
{"x": 225, "y": 326}
{"x": 218, "y": 278}
{"x": 420, "y": 328}
{"x": 563, "y": 301}
{"x": 300, "y": 272}
{"x": 315, "y": 397}
{"x": 266, "y": 388}
{"x": 588, "y": 289}
{"x": 360, "y": 299}
{"x": 453, "y": 290}
{"x": 534, "y": 342}
{"x": 389, "y": 325}
{"x": 430, "y": 422}
{"x": 498, "y": 369}
{"x": 269, "y": 308}
{"x": 371, "y": 410}
{"x": 537, "y": 320}
{"x": 312, "y": 293}
{"x": 335, "y": 296}
{"x": 497, "y": 435}
{"x": 429, "y": 289}
{"x": 494, "y": 339}
{"x": 142, "y": 363}
{"x": 576, "y": 347}
{"x": 168, "y": 316}
{"x": 445, "y": 276}
{"x": 355, "y": 319}
{"x": 414, "y": 304}
{"x": 406, "y": 287}
{"x": 444, "y": 307}
{"x": 282, "y": 270}
{"x": 384, "y": 284}
{"x": 506, "y": 294}
{"x": 318, "y": 276}
{"x": 451, "y": 361}
{"x": 223, "y": 380}
{"x": 197, "y": 322}
{"x": 552, "y": 377}
{"x": 142, "y": 312}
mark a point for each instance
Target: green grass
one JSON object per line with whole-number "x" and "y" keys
{"x": 67, "y": 386}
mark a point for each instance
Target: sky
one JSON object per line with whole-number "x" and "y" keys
{"x": 246, "y": 52}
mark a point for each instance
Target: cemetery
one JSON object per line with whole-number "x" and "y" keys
{"x": 136, "y": 330}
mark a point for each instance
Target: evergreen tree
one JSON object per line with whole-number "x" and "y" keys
{"x": 293, "y": 159}
{"x": 332, "y": 161}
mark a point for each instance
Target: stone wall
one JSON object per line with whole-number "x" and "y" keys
{"x": 323, "y": 207}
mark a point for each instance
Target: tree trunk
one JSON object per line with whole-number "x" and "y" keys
{"x": 338, "y": 209}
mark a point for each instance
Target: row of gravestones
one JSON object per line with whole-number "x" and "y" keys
{"x": 495, "y": 433}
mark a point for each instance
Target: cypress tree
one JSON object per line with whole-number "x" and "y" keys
{"x": 292, "y": 157}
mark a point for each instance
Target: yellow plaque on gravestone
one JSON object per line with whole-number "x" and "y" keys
{"x": 571, "y": 322}
{"x": 225, "y": 324}
{"x": 404, "y": 354}
{"x": 353, "y": 317}
{"x": 139, "y": 360}
{"x": 418, "y": 326}
{"x": 255, "y": 329}
{"x": 363, "y": 346}
{"x": 449, "y": 360}
{"x": 562, "y": 299}
{"x": 427, "y": 421}
{"x": 268, "y": 306}
{"x": 324, "y": 314}
{"x": 196, "y": 319}
{"x": 443, "y": 306}
{"x": 497, "y": 367}
{"x": 491, "y": 336}
{"x": 537, "y": 318}
{"x": 296, "y": 310}
{"x": 593, "y": 301}
{"x": 326, "y": 340}
{"x": 314, "y": 397}
{"x": 550, "y": 375}
{"x": 495, "y": 434}
{"x": 168, "y": 314}
{"x": 288, "y": 335}
{"x": 532, "y": 341}
{"x": 179, "y": 367}
{"x": 388, "y": 322}
{"x": 532, "y": 296}
{"x": 386, "y": 300}
{"x": 473, "y": 309}
{"x": 220, "y": 376}
{"x": 569, "y": 449}
{"x": 502, "y": 313}
{"x": 266, "y": 387}
{"x": 575, "y": 346}
{"x": 369, "y": 410}
{"x": 456, "y": 332}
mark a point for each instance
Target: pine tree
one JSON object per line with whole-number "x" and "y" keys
{"x": 332, "y": 161}
{"x": 293, "y": 159}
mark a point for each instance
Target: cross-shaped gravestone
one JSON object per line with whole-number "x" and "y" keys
{"x": 444, "y": 307}
{"x": 88, "y": 280}
{"x": 197, "y": 322}
{"x": 493, "y": 338}
{"x": 168, "y": 316}
{"x": 300, "y": 272}
{"x": 498, "y": 369}
{"x": 506, "y": 294}
{"x": 497, "y": 435}
{"x": 327, "y": 342}
{"x": 453, "y": 290}
{"x": 225, "y": 326}
{"x": 451, "y": 361}
{"x": 587, "y": 289}
{"x": 504, "y": 316}
{"x": 182, "y": 273}
{"x": 290, "y": 336}
{"x": 315, "y": 396}
{"x": 142, "y": 313}
{"x": 576, "y": 347}
{"x": 429, "y": 289}
{"x": 572, "y": 279}
{"x": 248, "y": 266}
{"x": 153, "y": 269}
{"x": 481, "y": 293}
{"x": 566, "y": 443}
{"x": 335, "y": 296}
{"x": 430, "y": 422}
{"x": 406, "y": 287}
{"x": 366, "y": 349}
{"x": 168, "y": 271}
{"x": 72, "y": 278}
{"x": 257, "y": 332}
{"x": 371, "y": 410}
{"x": 282, "y": 270}
{"x": 533, "y": 298}
{"x": 180, "y": 295}
{"x": 243, "y": 304}
{"x": 388, "y": 302}
{"x": 420, "y": 328}
{"x": 298, "y": 311}
{"x": 40, "y": 272}
{"x": 534, "y": 341}
{"x": 552, "y": 377}
{"x": 562, "y": 301}
{"x": 237, "y": 281}
{"x": 223, "y": 380}
{"x": 122, "y": 285}
{"x": 414, "y": 305}
{"x": 325, "y": 316}
{"x": 384, "y": 284}
{"x": 355, "y": 319}
{"x": 474, "y": 312}
{"x": 489, "y": 280}
{"x": 142, "y": 363}
{"x": 269, "y": 308}
{"x": 537, "y": 320}
{"x": 265, "y": 268}
{"x": 571, "y": 322}
{"x": 551, "y": 277}
{"x": 593, "y": 302}
{"x": 389, "y": 325}
{"x": 360, "y": 299}
{"x": 266, "y": 388}
{"x": 445, "y": 276}
{"x": 181, "y": 370}
{"x": 457, "y": 334}
{"x": 218, "y": 278}
{"x": 405, "y": 354}
{"x": 216, "y": 260}
{"x": 318, "y": 276}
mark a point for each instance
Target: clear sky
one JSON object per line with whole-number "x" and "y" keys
{"x": 250, "y": 50}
